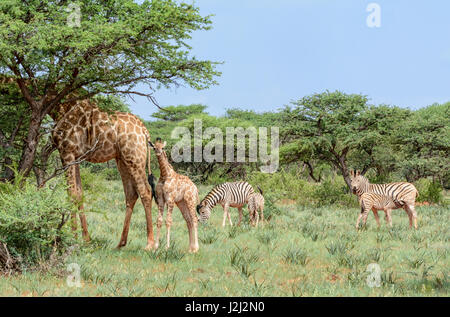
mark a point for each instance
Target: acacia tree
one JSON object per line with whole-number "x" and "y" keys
{"x": 115, "y": 46}
{"x": 422, "y": 144}
{"x": 328, "y": 127}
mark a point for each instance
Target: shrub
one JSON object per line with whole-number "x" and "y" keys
{"x": 429, "y": 191}
{"x": 33, "y": 222}
{"x": 111, "y": 174}
{"x": 333, "y": 191}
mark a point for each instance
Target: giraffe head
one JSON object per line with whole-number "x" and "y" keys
{"x": 357, "y": 181}
{"x": 158, "y": 146}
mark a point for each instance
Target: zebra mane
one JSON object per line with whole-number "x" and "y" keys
{"x": 210, "y": 196}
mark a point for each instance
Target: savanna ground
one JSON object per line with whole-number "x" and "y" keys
{"x": 301, "y": 251}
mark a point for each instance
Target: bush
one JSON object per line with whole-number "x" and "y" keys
{"x": 33, "y": 223}
{"x": 111, "y": 174}
{"x": 429, "y": 191}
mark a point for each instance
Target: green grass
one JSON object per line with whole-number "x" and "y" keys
{"x": 301, "y": 251}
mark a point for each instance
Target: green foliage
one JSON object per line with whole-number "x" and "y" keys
{"x": 332, "y": 191}
{"x": 111, "y": 103}
{"x": 429, "y": 191}
{"x": 33, "y": 223}
{"x": 296, "y": 256}
{"x": 264, "y": 271}
{"x": 423, "y": 142}
{"x": 116, "y": 46}
{"x": 178, "y": 113}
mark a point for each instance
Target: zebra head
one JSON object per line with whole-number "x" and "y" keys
{"x": 358, "y": 182}
{"x": 204, "y": 211}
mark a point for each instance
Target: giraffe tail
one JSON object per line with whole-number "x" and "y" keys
{"x": 151, "y": 178}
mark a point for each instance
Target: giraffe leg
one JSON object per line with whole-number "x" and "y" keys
{"x": 170, "y": 205}
{"x": 185, "y": 209}
{"x": 75, "y": 192}
{"x": 72, "y": 189}
{"x": 142, "y": 187}
{"x": 161, "y": 204}
{"x": 130, "y": 198}
{"x": 191, "y": 210}
{"x": 83, "y": 220}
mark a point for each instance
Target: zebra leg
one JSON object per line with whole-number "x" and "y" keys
{"x": 412, "y": 215}
{"x": 377, "y": 219}
{"x": 224, "y": 217}
{"x": 240, "y": 216}
{"x": 364, "y": 216}
{"x": 358, "y": 220}
{"x": 389, "y": 217}
{"x": 262, "y": 216}
{"x": 409, "y": 215}
{"x": 229, "y": 216}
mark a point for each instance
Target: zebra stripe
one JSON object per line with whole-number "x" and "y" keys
{"x": 400, "y": 191}
{"x": 379, "y": 202}
{"x": 375, "y": 202}
{"x": 236, "y": 193}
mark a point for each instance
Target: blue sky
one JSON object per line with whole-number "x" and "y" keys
{"x": 278, "y": 51}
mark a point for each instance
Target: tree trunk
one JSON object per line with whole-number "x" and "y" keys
{"x": 31, "y": 143}
{"x": 345, "y": 172}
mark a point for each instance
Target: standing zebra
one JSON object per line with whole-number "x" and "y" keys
{"x": 402, "y": 193}
{"x": 228, "y": 195}
{"x": 375, "y": 202}
{"x": 256, "y": 206}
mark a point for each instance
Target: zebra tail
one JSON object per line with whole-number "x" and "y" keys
{"x": 260, "y": 190}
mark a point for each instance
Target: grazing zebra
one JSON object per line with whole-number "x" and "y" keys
{"x": 228, "y": 195}
{"x": 401, "y": 193}
{"x": 256, "y": 205}
{"x": 375, "y": 202}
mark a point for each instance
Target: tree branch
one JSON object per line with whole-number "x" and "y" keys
{"x": 64, "y": 168}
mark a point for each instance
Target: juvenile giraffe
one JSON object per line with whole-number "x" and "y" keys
{"x": 83, "y": 128}
{"x": 174, "y": 188}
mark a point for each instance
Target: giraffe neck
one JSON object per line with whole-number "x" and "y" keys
{"x": 63, "y": 108}
{"x": 164, "y": 166}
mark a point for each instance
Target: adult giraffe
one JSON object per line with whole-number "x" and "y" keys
{"x": 82, "y": 130}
